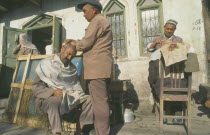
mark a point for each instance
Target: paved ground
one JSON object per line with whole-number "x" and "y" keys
{"x": 144, "y": 124}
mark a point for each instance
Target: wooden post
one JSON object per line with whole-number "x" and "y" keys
{"x": 161, "y": 96}
{"x": 189, "y": 128}
{"x": 21, "y": 89}
{"x": 13, "y": 80}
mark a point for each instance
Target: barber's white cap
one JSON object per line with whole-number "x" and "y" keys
{"x": 171, "y": 21}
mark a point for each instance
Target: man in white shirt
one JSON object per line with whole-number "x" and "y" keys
{"x": 154, "y": 47}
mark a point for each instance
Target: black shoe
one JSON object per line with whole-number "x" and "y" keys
{"x": 165, "y": 120}
{"x": 177, "y": 121}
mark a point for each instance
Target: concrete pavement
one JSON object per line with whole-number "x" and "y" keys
{"x": 144, "y": 124}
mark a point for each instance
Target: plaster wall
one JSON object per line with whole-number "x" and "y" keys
{"x": 206, "y": 15}
{"x": 190, "y": 27}
{"x": 134, "y": 67}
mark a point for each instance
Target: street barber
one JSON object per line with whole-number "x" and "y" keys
{"x": 97, "y": 60}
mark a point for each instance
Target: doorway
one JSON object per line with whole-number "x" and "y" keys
{"x": 41, "y": 38}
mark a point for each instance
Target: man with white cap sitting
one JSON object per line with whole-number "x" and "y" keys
{"x": 169, "y": 29}
{"x": 153, "y": 78}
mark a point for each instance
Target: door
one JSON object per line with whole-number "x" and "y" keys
{"x": 8, "y": 59}
{"x": 56, "y": 35}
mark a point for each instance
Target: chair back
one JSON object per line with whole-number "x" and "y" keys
{"x": 176, "y": 74}
{"x": 177, "y": 78}
{"x": 77, "y": 61}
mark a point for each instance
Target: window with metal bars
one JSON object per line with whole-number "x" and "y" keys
{"x": 150, "y": 22}
{"x": 114, "y": 12}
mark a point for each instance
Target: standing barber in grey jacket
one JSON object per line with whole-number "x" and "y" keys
{"x": 97, "y": 59}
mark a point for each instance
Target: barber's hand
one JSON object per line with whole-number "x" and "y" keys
{"x": 58, "y": 93}
{"x": 72, "y": 41}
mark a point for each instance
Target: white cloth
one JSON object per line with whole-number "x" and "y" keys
{"x": 49, "y": 49}
{"x": 53, "y": 72}
{"x": 179, "y": 53}
{"x": 156, "y": 55}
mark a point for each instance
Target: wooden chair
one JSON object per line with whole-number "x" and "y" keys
{"x": 176, "y": 90}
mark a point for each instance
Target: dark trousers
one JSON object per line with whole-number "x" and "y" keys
{"x": 98, "y": 89}
{"x": 154, "y": 79}
{"x": 51, "y": 106}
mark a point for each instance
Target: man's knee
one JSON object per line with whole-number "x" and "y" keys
{"x": 53, "y": 103}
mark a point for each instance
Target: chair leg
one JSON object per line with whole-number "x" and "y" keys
{"x": 189, "y": 129}
{"x": 155, "y": 108}
{"x": 161, "y": 114}
{"x": 157, "y": 112}
{"x": 184, "y": 114}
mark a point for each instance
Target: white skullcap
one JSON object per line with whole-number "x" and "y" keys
{"x": 171, "y": 21}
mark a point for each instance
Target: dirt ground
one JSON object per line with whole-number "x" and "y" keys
{"x": 144, "y": 124}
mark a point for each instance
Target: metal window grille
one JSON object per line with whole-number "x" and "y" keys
{"x": 117, "y": 23}
{"x": 150, "y": 25}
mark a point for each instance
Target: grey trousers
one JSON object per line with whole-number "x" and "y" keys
{"x": 51, "y": 106}
{"x": 99, "y": 97}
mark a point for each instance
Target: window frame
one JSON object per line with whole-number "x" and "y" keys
{"x": 140, "y": 9}
{"x": 106, "y": 13}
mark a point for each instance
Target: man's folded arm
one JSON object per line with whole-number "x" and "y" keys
{"x": 40, "y": 89}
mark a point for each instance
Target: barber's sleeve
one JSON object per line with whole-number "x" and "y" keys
{"x": 92, "y": 33}
{"x": 40, "y": 89}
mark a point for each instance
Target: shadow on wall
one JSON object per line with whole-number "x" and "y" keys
{"x": 116, "y": 72}
{"x": 129, "y": 96}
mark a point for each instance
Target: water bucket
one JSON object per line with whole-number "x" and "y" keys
{"x": 128, "y": 114}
